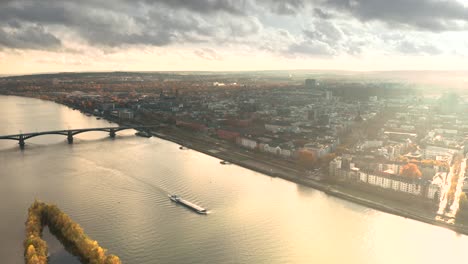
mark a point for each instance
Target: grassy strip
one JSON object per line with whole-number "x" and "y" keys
{"x": 68, "y": 232}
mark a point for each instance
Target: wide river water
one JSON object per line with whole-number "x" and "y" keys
{"x": 117, "y": 191}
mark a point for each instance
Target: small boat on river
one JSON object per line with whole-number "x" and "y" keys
{"x": 177, "y": 199}
{"x": 143, "y": 134}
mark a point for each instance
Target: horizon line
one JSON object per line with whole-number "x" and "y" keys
{"x": 2, "y": 75}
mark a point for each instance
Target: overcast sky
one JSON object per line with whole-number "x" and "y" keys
{"x": 153, "y": 35}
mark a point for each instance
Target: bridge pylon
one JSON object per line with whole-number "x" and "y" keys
{"x": 70, "y": 137}
{"x": 21, "y": 141}
{"x": 112, "y": 133}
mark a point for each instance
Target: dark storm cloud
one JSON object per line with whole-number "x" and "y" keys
{"x": 321, "y": 13}
{"x": 27, "y": 37}
{"x": 146, "y": 22}
{"x": 236, "y": 7}
{"x": 33, "y": 12}
{"x": 46, "y": 24}
{"x": 433, "y": 15}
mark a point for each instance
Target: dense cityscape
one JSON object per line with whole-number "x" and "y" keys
{"x": 227, "y": 131}
{"x": 384, "y": 142}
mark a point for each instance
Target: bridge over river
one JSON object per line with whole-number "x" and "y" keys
{"x": 69, "y": 133}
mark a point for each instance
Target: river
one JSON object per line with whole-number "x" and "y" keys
{"x": 116, "y": 189}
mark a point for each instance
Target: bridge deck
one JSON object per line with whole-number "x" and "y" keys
{"x": 73, "y": 131}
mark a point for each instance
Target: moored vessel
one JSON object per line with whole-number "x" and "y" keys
{"x": 143, "y": 134}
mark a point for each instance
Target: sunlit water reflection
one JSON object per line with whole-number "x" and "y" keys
{"x": 117, "y": 190}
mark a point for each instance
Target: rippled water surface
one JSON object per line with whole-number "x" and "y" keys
{"x": 117, "y": 190}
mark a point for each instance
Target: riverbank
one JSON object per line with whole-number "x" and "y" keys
{"x": 122, "y": 184}
{"x": 250, "y": 160}
{"x": 280, "y": 168}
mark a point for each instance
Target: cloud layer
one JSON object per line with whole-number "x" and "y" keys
{"x": 287, "y": 28}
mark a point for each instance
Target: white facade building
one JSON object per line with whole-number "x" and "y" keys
{"x": 247, "y": 143}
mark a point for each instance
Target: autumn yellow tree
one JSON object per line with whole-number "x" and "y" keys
{"x": 411, "y": 170}
{"x": 111, "y": 259}
{"x": 62, "y": 225}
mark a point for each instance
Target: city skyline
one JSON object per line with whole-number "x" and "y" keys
{"x": 56, "y": 36}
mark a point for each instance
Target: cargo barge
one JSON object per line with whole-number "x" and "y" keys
{"x": 192, "y": 206}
